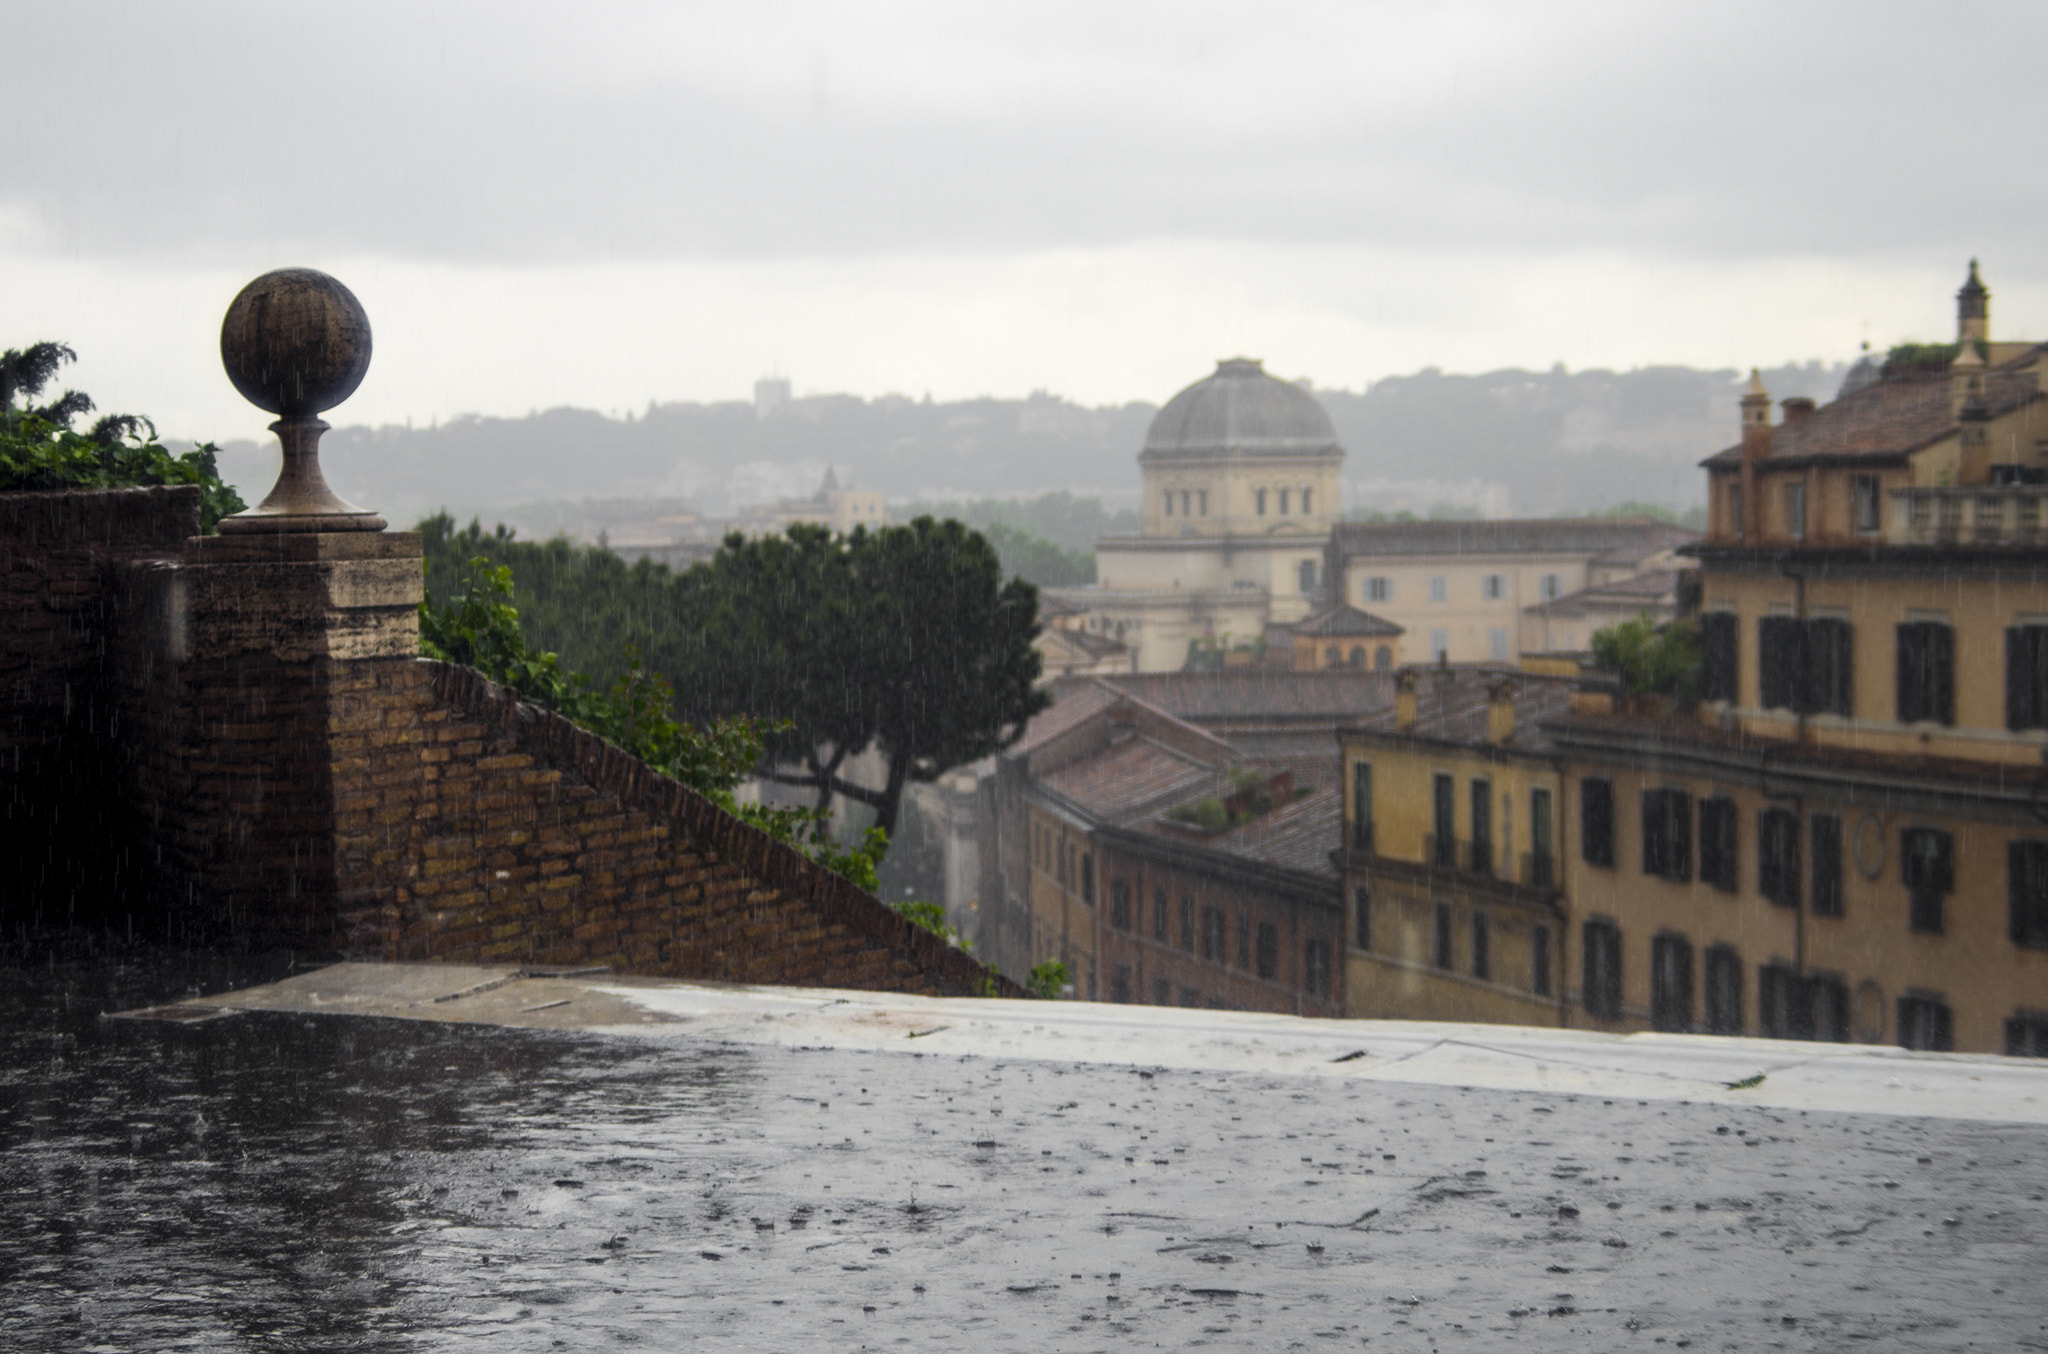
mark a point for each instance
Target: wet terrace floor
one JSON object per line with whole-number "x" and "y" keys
{"x": 684, "y": 1167}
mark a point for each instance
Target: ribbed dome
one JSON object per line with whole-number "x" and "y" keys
{"x": 1240, "y": 411}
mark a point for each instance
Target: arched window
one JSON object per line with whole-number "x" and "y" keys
{"x": 1332, "y": 656}
{"x": 1283, "y": 502}
{"x": 1307, "y": 497}
{"x": 1358, "y": 655}
{"x": 1383, "y": 658}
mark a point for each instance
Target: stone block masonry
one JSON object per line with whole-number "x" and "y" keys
{"x": 232, "y": 741}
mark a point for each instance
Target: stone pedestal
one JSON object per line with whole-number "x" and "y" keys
{"x": 245, "y": 662}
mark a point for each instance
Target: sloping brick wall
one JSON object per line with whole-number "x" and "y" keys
{"x": 470, "y": 826}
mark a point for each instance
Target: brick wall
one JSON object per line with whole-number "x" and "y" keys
{"x": 470, "y": 826}
{"x": 229, "y": 741}
{"x": 64, "y": 839}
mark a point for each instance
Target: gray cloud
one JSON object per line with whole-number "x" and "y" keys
{"x": 527, "y": 133}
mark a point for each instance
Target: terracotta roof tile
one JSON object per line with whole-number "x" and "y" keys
{"x": 1889, "y": 418}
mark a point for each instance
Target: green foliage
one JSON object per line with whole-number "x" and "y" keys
{"x": 40, "y": 451}
{"x": 480, "y": 627}
{"x": 1923, "y": 357}
{"x": 906, "y": 638}
{"x": 1651, "y": 659}
{"x": 1039, "y": 561}
{"x": 932, "y": 917}
{"x": 1048, "y": 978}
{"x": 987, "y": 986}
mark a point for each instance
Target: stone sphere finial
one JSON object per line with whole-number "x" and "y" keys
{"x": 295, "y": 343}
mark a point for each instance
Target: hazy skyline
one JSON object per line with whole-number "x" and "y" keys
{"x": 649, "y": 201}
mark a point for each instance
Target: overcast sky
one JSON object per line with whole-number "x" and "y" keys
{"x": 606, "y": 203}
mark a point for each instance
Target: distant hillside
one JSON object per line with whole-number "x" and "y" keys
{"x": 1531, "y": 443}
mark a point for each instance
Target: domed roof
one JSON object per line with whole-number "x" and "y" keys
{"x": 1240, "y": 411}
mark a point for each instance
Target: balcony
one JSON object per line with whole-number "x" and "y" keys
{"x": 1999, "y": 514}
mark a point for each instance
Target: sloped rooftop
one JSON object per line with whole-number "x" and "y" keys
{"x": 1888, "y": 419}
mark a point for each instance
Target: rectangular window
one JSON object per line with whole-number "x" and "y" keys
{"x": 1735, "y": 528}
{"x": 1201, "y": 502}
{"x": 1244, "y": 940}
{"x": 1443, "y": 936}
{"x": 1444, "y": 853}
{"x": 1542, "y": 866}
{"x": 1780, "y": 642}
{"x": 1724, "y": 990}
{"x": 1120, "y": 904}
{"x": 1315, "y": 978}
{"x": 1825, "y": 686}
{"x": 1482, "y": 947}
{"x": 1159, "y": 913}
{"x": 1187, "y": 921}
{"x": 1169, "y": 502}
{"x": 1553, "y": 586}
{"x": 1495, "y": 587}
{"x": 1497, "y": 644}
{"x": 1307, "y": 500}
{"x": 2026, "y": 1035}
{"x": 1671, "y": 984}
{"x": 2026, "y": 883}
{"x": 1482, "y": 827}
{"x": 1777, "y": 856}
{"x": 1717, "y": 843}
{"x": 1863, "y": 505}
{"x": 1601, "y": 966}
{"x": 1827, "y": 999}
{"x": 1927, "y": 1024}
{"x": 1259, "y": 502}
{"x": 1283, "y": 502}
{"x": 1926, "y": 672}
{"x": 1183, "y": 503}
{"x": 1439, "y": 588}
{"x": 1212, "y": 935}
{"x": 1782, "y": 1008}
{"x": 1927, "y": 865}
{"x": 1379, "y": 589}
{"x": 1718, "y": 658}
{"x": 1596, "y": 821}
{"x": 1361, "y": 806}
{"x": 2026, "y": 677}
{"x": 1162, "y": 992}
{"x": 1539, "y": 960}
{"x": 1305, "y": 577}
{"x": 1439, "y": 645}
{"x": 1825, "y": 845}
{"x": 1361, "y": 914}
{"x": 1795, "y": 511}
{"x": 1269, "y": 949}
{"x": 1667, "y": 834}
{"x": 1120, "y": 983}
{"x": 1088, "y": 879}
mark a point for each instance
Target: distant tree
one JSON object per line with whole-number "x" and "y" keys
{"x": 905, "y": 637}
{"x": 1039, "y": 561}
{"x": 1650, "y": 659}
{"x": 39, "y": 449}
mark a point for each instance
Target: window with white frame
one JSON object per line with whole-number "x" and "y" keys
{"x": 1439, "y": 587}
{"x": 1495, "y": 587}
{"x": 1379, "y": 589}
{"x": 1553, "y": 586}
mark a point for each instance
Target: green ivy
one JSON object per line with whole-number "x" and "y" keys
{"x": 932, "y": 917}
{"x": 479, "y": 627}
{"x": 1048, "y": 978}
{"x": 37, "y": 454}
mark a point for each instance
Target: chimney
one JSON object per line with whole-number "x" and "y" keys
{"x": 1756, "y": 444}
{"x": 1973, "y": 310}
{"x": 1797, "y": 409}
{"x": 1404, "y": 701}
{"x": 1500, "y": 710}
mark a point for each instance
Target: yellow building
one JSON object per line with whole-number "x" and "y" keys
{"x": 1480, "y": 592}
{"x": 840, "y": 509}
{"x": 1847, "y": 837}
{"x": 1451, "y": 851}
